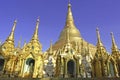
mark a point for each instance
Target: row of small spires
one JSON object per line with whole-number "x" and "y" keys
{"x": 35, "y": 36}
{"x": 11, "y": 36}
{"x": 99, "y": 43}
{"x": 68, "y": 19}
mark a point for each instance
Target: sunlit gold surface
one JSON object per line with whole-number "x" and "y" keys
{"x": 74, "y": 34}
{"x": 70, "y": 56}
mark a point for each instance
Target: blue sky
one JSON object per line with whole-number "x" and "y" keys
{"x": 88, "y": 14}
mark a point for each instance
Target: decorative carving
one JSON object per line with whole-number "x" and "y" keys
{"x": 70, "y": 56}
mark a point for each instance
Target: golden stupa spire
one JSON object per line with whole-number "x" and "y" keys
{"x": 24, "y": 43}
{"x": 114, "y": 46}
{"x": 35, "y": 40}
{"x": 19, "y": 43}
{"x": 74, "y": 33}
{"x": 11, "y": 36}
{"x": 69, "y": 18}
{"x": 9, "y": 43}
{"x": 35, "y": 35}
{"x": 99, "y": 42}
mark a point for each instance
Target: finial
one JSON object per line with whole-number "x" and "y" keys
{"x": 37, "y": 24}
{"x": 114, "y": 46}
{"x": 98, "y": 38}
{"x": 15, "y": 21}
{"x": 11, "y": 36}
{"x": 38, "y": 19}
{"x": 112, "y": 36}
{"x": 97, "y": 29}
{"x": 69, "y": 18}
{"x": 14, "y": 25}
{"x": 35, "y": 36}
{"x": 69, "y": 5}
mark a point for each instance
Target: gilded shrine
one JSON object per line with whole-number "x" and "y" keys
{"x": 70, "y": 57}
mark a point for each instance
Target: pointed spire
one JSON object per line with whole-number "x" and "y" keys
{"x": 35, "y": 35}
{"x": 99, "y": 43}
{"x": 50, "y": 47}
{"x": 11, "y": 36}
{"x": 24, "y": 44}
{"x": 101, "y": 50}
{"x": 74, "y": 32}
{"x": 114, "y": 46}
{"x": 19, "y": 43}
{"x": 69, "y": 18}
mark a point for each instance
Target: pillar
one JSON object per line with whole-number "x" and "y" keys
{"x": 61, "y": 67}
{"x": 108, "y": 69}
{"x": 65, "y": 70}
{"x": 77, "y": 68}
{"x": 115, "y": 70}
{"x": 22, "y": 68}
{"x": 4, "y": 65}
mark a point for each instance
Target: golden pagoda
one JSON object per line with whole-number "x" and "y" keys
{"x": 70, "y": 57}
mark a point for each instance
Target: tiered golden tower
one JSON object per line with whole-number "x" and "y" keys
{"x": 70, "y": 56}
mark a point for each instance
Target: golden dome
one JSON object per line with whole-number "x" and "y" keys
{"x": 74, "y": 33}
